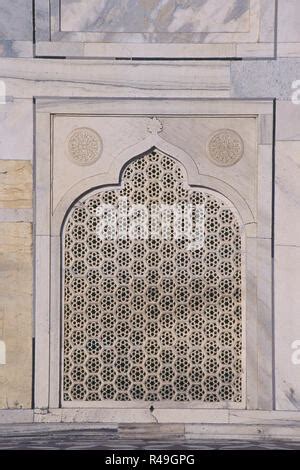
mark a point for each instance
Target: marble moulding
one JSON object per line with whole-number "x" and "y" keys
{"x": 181, "y": 129}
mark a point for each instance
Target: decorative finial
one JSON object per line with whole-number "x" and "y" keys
{"x": 155, "y": 126}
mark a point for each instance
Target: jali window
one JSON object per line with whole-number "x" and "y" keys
{"x": 147, "y": 319}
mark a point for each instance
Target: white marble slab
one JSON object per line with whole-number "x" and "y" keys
{"x": 288, "y": 21}
{"x": 16, "y": 119}
{"x": 90, "y": 78}
{"x": 287, "y": 194}
{"x": 289, "y": 49}
{"x": 287, "y": 327}
{"x": 267, "y": 21}
{"x": 265, "y": 136}
{"x": 287, "y": 120}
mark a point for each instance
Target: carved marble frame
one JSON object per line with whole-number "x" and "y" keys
{"x": 259, "y": 41}
{"x": 259, "y": 308}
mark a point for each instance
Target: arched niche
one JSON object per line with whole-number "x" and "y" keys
{"x": 151, "y": 320}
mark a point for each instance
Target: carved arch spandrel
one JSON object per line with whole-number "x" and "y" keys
{"x": 194, "y": 178}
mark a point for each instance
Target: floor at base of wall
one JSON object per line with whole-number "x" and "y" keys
{"x": 91, "y": 437}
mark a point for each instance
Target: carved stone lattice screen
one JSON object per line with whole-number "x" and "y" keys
{"x": 149, "y": 319}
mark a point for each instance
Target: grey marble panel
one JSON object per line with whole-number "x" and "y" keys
{"x": 42, "y": 23}
{"x": 16, "y": 20}
{"x": 172, "y": 16}
{"x": 11, "y": 48}
{"x": 266, "y": 79}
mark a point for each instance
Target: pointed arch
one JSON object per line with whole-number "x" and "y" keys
{"x": 148, "y": 319}
{"x": 119, "y": 162}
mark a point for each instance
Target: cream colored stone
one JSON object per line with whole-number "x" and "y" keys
{"x": 15, "y": 184}
{"x": 16, "y": 305}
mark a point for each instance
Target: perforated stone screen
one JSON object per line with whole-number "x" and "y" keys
{"x": 148, "y": 319}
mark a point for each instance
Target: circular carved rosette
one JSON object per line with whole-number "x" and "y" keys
{"x": 225, "y": 147}
{"x": 84, "y": 146}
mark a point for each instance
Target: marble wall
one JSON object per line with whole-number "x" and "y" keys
{"x": 16, "y": 195}
{"x": 26, "y": 77}
{"x": 287, "y": 211}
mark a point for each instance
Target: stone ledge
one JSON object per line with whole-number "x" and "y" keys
{"x": 88, "y": 417}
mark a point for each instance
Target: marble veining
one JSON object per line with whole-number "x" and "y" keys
{"x": 153, "y": 16}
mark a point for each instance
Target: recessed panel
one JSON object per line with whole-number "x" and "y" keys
{"x": 155, "y": 16}
{"x": 155, "y": 28}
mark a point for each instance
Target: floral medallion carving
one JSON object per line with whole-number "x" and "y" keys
{"x": 84, "y": 146}
{"x": 155, "y": 126}
{"x": 225, "y": 147}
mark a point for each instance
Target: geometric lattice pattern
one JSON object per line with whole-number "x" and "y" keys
{"x": 148, "y": 319}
